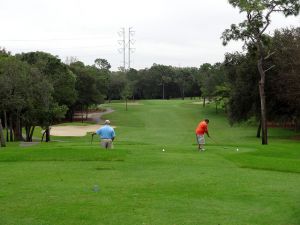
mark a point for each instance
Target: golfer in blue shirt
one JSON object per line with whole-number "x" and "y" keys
{"x": 107, "y": 135}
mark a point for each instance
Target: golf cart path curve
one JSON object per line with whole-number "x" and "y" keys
{"x": 96, "y": 117}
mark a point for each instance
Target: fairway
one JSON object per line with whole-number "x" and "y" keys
{"x": 71, "y": 181}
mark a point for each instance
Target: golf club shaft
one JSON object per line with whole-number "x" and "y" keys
{"x": 214, "y": 140}
{"x": 92, "y": 138}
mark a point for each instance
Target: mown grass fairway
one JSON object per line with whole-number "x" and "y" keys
{"x": 75, "y": 182}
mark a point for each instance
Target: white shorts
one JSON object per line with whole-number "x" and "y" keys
{"x": 200, "y": 139}
{"x": 106, "y": 143}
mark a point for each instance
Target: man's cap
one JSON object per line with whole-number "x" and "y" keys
{"x": 107, "y": 122}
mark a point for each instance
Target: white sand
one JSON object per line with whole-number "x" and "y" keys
{"x": 80, "y": 131}
{"x": 73, "y": 131}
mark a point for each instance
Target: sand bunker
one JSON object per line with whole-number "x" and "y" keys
{"x": 80, "y": 131}
{"x": 73, "y": 131}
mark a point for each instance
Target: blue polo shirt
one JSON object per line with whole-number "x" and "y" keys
{"x": 106, "y": 132}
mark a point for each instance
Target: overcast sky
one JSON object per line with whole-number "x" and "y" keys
{"x": 170, "y": 32}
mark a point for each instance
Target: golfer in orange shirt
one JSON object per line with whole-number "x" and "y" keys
{"x": 201, "y": 129}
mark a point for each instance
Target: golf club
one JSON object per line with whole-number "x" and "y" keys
{"x": 216, "y": 142}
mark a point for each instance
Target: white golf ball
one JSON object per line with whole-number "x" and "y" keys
{"x": 237, "y": 149}
{"x": 163, "y": 150}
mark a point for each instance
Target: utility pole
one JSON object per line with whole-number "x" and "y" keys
{"x": 123, "y": 44}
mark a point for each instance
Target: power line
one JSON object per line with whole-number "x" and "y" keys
{"x": 50, "y": 39}
{"x": 63, "y": 48}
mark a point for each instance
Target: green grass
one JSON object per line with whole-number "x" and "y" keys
{"x": 54, "y": 183}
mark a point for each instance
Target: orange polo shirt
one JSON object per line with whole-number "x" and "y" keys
{"x": 202, "y": 128}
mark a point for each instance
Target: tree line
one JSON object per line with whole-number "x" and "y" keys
{"x": 252, "y": 31}
{"x": 282, "y": 85}
{"x": 37, "y": 89}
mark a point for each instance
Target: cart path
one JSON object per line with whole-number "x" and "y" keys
{"x": 96, "y": 117}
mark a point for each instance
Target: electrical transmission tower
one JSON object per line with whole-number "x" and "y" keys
{"x": 123, "y": 44}
{"x": 130, "y": 42}
{"x": 128, "y": 45}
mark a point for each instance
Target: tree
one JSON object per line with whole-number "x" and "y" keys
{"x": 284, "y": 84}
{"x": 165, "y": 75}
{"x": 13, "y": 93}
{"x": 126, "y": 93}
{"x": 252, "y": 31}
{"x": 221, "y": 95}
{"x": 194, "y": 88}
{"x": 51, "y": 67}
{"x": 184, "y": 80}
{"x": 204, "y": 71}
{"x": 91, "y": 85}
{"x": 38, "y": 102}
{"x": 242, "y": 77}
{"x": 133, "y": 79}
{"x": 4, "y": 53}
{"x": 148, "y": 84}
{"x": 2, "y": 138}
{"x": 62, "y": 81}
{"x": 102, "y": 64}
{"x": 117, "y": 84}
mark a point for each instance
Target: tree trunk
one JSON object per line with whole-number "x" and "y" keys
{"x": 43, "y": 136}
{"x": 258, "y": 130}
{"x": 47, "y": 134}
{"x": 18, "y": 128}
{"x": 27, "y": 131}
{"x": 163, "y": 91}
{"x": 86, "y": 113}
{"x": 81, "y": 113}
{"x": 31, "y": 133}
{"x": 126, "y": 103}
{"x": 11, "y": 134}
{"x": 203, "y": 102}
{"x": 5, "y": 124}
{"x": 72, "y": 115}
{"x": 2, "y": 138}
{"x": 263, "y": 102}
{"x": 295, "y": 122}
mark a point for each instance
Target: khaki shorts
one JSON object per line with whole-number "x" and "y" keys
{"x": 106, "y": 143}
{"x": 200, "y": 139}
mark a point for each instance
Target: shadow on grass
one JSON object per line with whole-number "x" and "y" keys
{"x": 251, "y": 161}
{"x": 58, "y": 153}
